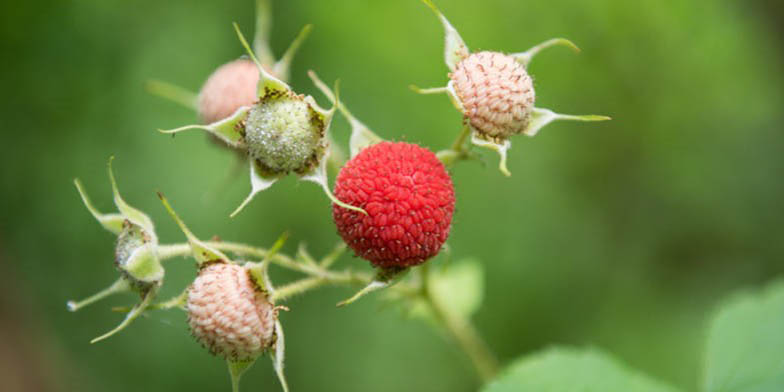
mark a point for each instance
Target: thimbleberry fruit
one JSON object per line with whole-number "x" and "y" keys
{"x": 229, "y": 314}
{"x": 230, "y": 87}
{"x": 281, "y": 132}
{"x": 496, "y": 93}
{"x": 284, "y": 133}
{"x": 409, "y": 198}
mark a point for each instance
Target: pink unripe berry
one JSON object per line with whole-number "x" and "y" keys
{"x": 230, "y": 87}
{"x": 409, "y": 199}
{"x": 496, "y": 92}
{"x": 229, "y": 314}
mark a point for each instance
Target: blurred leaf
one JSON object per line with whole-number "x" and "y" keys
{"x": 568, "y": 369}
{"x": 460, "y": 287}
{"x": 745, "y": 350}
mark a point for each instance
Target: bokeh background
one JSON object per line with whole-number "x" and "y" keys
{"x": 622, "y": 235}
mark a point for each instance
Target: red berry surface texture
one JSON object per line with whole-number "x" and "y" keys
{"x": 409, "y": 198}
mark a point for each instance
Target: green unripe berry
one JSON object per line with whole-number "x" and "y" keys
{"x": 284, "y": 134}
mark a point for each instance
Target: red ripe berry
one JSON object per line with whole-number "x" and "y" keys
{"x": 409, "y": 198}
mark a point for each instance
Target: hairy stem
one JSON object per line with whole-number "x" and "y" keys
{"x": 459, "y": 328}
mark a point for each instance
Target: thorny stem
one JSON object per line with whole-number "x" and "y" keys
{"x": 462, "y": 331}
{"x": 318, "y": 275}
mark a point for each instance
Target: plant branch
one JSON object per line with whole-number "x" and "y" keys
{"x": 318, "y": 275}
{"x": 458, "y": 150}
{"x": 462, "y": 331}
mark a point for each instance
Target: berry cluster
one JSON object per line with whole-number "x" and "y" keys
{"x": 393, "y": 202}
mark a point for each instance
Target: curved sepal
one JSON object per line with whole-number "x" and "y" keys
{"x": 525, "y": 58}
{"x": 260, "y": 271}
{"x": 229, "y": 130}
{"x": 267, "y": 82}
{"x": 500, "y": 147}
{"x": 428, "y": 91}
{"x": 202, "y": 252}
{"x": 361, "y": 135}
{"x": 137, "y": 310}
{"x": 455, "y": 49}
{"x": 173, "y": 93}
{"x": 452, "y": 94}
{"x": 132, "y": 214}
{"x": 278, "y": 355}
{"x": 120, "y": 286}
{"x": 110, "y": 222}
{"x": 541, "y": 117}
{"x": 283, "y": 66}
{"x": 261, "y": 38}
{"x": 259, "y": 181}
{"x": 144, "y": 265}
{"x": 236, "y": 370}
{"x": 383, "y": 278}
{"x": 318, "y": 175}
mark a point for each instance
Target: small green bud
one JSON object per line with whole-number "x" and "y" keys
{"x": 135, "y": 255}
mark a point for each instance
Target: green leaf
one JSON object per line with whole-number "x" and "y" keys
{"x": 460, "y": 287}
{"x": 569, "y": 369}
{"x": 745, "y": 348}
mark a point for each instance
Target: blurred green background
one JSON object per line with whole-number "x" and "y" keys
{"x": 621, "y": 235}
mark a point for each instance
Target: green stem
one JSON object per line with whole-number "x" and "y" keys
{"x": 457, "y": 151}
{"x": 461, "y": 329}
{"x": 461, "y": 138}
{"x": 317, "y": 272}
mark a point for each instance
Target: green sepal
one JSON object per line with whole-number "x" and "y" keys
{"x": 110, "y": 222}
{"x": 267, "y": 82}
{"x": 261, "y": 38}
{"x": 278, "y": 355}
{"x": 283, "y": 66}
{"x": 541, "y": 117}
{"x": 202, "y": 252}
{"x": 319, "y": 176}
{"x": 383, "y": 279}
{"x": 525, "y": 58}
{"x": 260, "y": 271}
{"x": 229, "y": 130}
{"x": 121, "y": 285}
{"x": 455, "y": 49}
{"x": 361, "y": 135}
{"x": 132, "y": 214}
{"x": 428, "y": 91}
{"x": 144, "y": 265}
{"x": 259, "y": 181}
{"x": 501, "y": 147}
{"x": 147, "y": 296}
